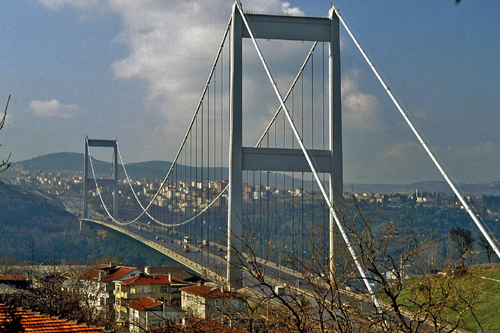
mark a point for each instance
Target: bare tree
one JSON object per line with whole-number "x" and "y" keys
{"x": 51, "y": 294}
{"x": 483, "y": 242}
{"x": 463, "y": 240}
{"x": 9, "y": 265}
{"x": 4, "y": 164}
{"x": 318, "y": 294}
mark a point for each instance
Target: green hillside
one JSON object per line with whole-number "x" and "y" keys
{"x": 479, "y": 286}
{"x": 72, "y": 163}
{"x": 33, "y": 229}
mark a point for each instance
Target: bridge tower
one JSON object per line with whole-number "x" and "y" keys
{"x": 241, "y": 158}
{"x": 109, "y": 182}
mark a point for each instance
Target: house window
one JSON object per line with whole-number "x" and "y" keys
{"x": 142, "y": 289}
{"x": 164, "y": 289}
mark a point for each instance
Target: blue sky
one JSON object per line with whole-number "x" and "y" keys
{"x": 135, "y": 69}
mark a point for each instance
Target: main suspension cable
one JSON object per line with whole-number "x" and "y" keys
{"x": 424, "y": 144}
{"x": 309, "y": 161}
{"x": 174, "y": 162}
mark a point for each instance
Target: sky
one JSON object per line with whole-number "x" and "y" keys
{"x": 135, "y": 70}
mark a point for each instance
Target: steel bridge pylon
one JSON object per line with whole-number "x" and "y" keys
{"x": 329, "y": 161}
{"x": 110, "y": 182}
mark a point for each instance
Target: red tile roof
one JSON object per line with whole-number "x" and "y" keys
{"x": 94, "y": 273}
{"x": 12, "y": 278}
{"x": 112, "y": 273}
{"x": 18, "y": 320}
{"x": 210, "y": 291}
{"x": 144, "y": 303}
{"x": 146, "y": 280}
{"x": 123, "y": 270}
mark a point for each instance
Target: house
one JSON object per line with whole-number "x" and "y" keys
{"x": 101, "y": 282}
{"x": 213, "y": 303}
{"x": 9, "y": 284}
{"x": 158, "y": 286}
{"x": 14, "y": 281}
{"x": 176, "y": 272}
{"x": 427, "y": 199}
{"x": 146, "y": 313}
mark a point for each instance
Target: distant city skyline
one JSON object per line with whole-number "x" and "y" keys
{"x": 135, "y": 70}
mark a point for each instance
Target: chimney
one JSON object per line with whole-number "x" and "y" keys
{"x": 147, "y": 269}
{"x": 170, "y": 277}
{"x": 200, "y": 283}
{"x": 101, "y": 275}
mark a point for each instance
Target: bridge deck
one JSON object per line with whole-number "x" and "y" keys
{"x": 187, "y": 259}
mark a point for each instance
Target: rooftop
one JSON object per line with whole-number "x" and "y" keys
{"x": 150, "y": 279}
{"x": 112, "y": 273}
{"x": 177, "y": 272}
{"x": 12, "y": 278}
{"x": 210, "y": 291}
{"x": 144, "y": 303}
{"x": 19, "y": 320}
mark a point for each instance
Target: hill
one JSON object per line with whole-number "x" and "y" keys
{"x": 33, "y": 229}
{"x": 72, "y": 163}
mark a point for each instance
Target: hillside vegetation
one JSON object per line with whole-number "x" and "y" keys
{"x": 35, "y": 230}
{"x": 481, "y": 284}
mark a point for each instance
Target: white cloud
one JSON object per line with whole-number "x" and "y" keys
{"x": 54, "y": 109}
{"x": 171, "y": 47}
{"x": 271, "y": 7}
{"x": 361, "y": 111}
{"x": 408, "y": 162}
{"x": 473, "y": 163}
{"x": 79, "y": 4}
{"x": 399, "y": 152}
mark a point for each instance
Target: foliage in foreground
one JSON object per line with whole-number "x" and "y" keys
{"x": 332, "y": 296}
{"x": 477, "y": 285}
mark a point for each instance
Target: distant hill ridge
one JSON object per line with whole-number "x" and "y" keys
{"x": 73, "y": 163}
{"x": 151, "y": 170}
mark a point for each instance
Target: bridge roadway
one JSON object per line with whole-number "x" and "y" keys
{"x": 215, "y": 267}
{"x": 211, "y": 272}
{"x": 212, "y": 268}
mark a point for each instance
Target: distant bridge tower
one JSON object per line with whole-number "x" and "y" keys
{"x": 273, "y": 159}
{"x": 112, "y": 182}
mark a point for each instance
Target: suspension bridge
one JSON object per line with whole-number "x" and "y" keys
{"x": 222, "y": 202}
